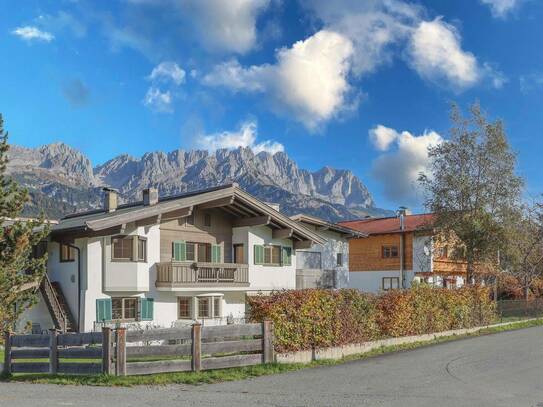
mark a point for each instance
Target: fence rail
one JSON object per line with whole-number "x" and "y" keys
{"x": 120, "y": 352}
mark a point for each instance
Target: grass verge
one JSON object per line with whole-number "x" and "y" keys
{"x": 222, "y": 375}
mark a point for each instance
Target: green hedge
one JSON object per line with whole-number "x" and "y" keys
{"x": 306, "y": 319}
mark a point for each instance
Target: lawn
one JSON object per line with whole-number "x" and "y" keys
{"x": 222, "y": 375}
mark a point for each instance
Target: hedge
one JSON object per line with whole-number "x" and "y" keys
{"x": 316, "y": 318}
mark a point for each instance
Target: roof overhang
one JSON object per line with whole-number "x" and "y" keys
{"x": 322, "y": 224}
{"x": 243, "y": 207}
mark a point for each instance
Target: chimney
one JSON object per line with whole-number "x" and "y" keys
{"x": 402, "y": 213}
{"x": 150, "y": 196}
{"x": 110, "y": 199}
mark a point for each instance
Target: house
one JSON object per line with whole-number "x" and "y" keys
{"x": 167, "y": 261}
{"x": 398, "y": 251}
{"x": 324, "y": 265}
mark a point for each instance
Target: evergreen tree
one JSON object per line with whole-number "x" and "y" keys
{"x": 21, "y": 266}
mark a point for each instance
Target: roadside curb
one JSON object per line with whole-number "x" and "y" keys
{"x": 340, "y": 352}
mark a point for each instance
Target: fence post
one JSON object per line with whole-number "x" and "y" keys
{"x": 196, "y": 347}
{"x": 53, "y": 351}
{"x": 267, "y": 341}
{"x": 120, "y": 352}
{"x": 106, "y": 350}
{"x": 7, "y": 353}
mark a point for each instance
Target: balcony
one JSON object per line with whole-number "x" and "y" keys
{"x": 172, "y": 275}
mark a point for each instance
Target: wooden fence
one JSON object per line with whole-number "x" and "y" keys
{"x": 121, "y": 352}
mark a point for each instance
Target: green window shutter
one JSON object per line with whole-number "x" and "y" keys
{"x": 216, "y": 253}
{"x": 103, "y": 309}
{"x": 179, "y": 251}
{"x": 259, "y": 254}
{"x": 147, "y": 306}
{"x": 287, "y": 256}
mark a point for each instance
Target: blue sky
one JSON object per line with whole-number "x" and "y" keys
{"x": 362, "y": 85}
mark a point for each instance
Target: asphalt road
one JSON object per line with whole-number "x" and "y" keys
{"x": 504, "y": 369}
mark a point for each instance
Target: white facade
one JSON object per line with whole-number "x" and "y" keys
{"x": 104, "y": 278}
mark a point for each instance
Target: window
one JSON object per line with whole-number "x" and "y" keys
{"x": 123, "y": 248}
{"x": 184, "y": 308}
{"x": 268, "y": 255}
{"x": 339, "y": 259}
{"x": 142, "y": 249}
{"x": 207, "y": 220}
{"x": 191, "y": 251}
{"x": 216, "y": 307}
{"x": 391, "y": 283}
{"x": 67, "y": 253}
{"x": 203, "y": 307}
{"x": 124, "y": 308}
{"x": 389, "y": 252}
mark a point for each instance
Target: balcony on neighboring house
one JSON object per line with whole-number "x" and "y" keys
{"x": 176, "y": 274}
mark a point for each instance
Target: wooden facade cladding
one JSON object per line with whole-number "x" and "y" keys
{"x": 219, "y": 233}
{"x": 366, "y": 254}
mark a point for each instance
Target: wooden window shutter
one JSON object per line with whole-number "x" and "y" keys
{"x": 259, "y": 254}
{"x": 216, "y": 253}
{"x": 146, "y": 309}
{"x": 103, "y": 309}
{"x": 179, "y": 251}
{"x": 287, "y": 256}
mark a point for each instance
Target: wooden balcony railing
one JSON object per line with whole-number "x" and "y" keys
{"x": 185, "y": 274}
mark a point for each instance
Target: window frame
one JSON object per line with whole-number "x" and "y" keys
{"x": 269, "y": 248}
{"x": 142, "y": 239}
{"x": 209, "y": 311}
{"x": 134, "y": 244}
{"x": 339, "y": 259}
{"x": 390, "y": 249}
{"x": 70, "y": 252}
{"x": 189, "y": 307}
{"x": 124, "y": 308}
{"x": 390, "y": 285}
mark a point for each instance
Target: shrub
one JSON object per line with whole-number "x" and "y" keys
{"x": 315, "y": 318}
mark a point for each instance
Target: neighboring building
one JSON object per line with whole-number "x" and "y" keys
{"x": 324, "y": 265}
{"x": 161, "y": 262}
{"x": 398, "y": 251}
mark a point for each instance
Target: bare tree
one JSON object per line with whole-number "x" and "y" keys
{"x": 524, "y": 254}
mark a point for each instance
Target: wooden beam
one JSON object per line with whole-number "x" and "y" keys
{"x": 282, "y": 233}
{"x": 245, "y": 208}
{"x": 177, "y": 214}
{"x": 254, "y": 221}
{"x": 152, "y": 220}
{"x": 229, "y": 200}
{"x": 303, "y": 244}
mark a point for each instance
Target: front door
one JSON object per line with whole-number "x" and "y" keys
{"x": 238, "y": 254}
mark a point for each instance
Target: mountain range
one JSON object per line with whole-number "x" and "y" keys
{"x": 62, "y": 180}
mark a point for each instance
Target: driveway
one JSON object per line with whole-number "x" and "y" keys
{"x": 504, "y": 369}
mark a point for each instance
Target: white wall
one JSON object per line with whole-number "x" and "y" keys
{"x": 422, "y": 254}
{"x": 38, "y": 314}
{"x": 265, "y": 278}
{"x": 371, "y": 281}
{"x": 335, "y": 243}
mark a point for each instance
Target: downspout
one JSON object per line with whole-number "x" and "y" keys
{"x": 402, "y": 255}
{"x": 78, "y": 284}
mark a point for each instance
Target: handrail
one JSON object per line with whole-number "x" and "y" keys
{"x": 55, "y": 304}
{"x": 177, "y": 272}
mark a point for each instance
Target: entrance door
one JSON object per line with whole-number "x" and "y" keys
{"x": 239, "y": 257}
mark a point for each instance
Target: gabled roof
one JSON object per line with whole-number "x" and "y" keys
{"x": 325, "y": 225}
{"x": 373, "y": 226}
{"x": 230, "y": 198}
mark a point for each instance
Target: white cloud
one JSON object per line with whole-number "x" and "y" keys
{"x": 531, "y": 82}
{"x": 31, "y": 33}
{"x": 168, "y": 71}
{"x": 158, "y": 101}
{"x": 405, "y": 158}
{"x": 308, "y": 80}
{"x": 435, "y": 52}
{"x": 501, "y": 8}
{"x": 224, "y": 25}
{"x": 245, "y": 136}
{"x": 382, "y": 137}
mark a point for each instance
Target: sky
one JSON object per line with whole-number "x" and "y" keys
{"x": 359, "y": 85}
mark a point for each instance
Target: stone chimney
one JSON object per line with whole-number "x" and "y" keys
{"x": 110, "y": 199}
{"x": 150, "y": 196}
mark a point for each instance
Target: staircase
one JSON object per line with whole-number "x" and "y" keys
{"x": 57, "y": 305}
